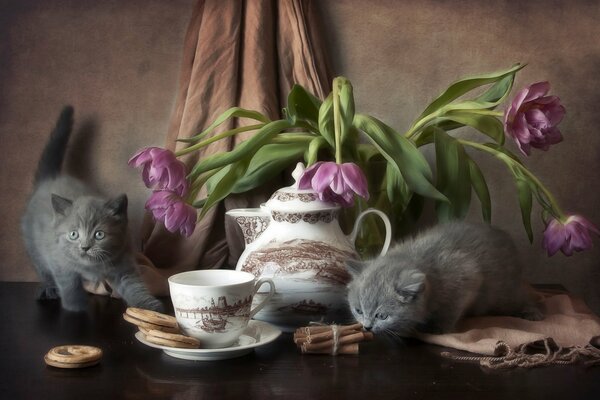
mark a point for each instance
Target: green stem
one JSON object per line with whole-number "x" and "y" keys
{"x": 216, "y": 138}
{"x": 419, "y": 125}
{"x": 298, "y": 137}
{"x": 506, "y": 159}
{"x": 414, "y": 130}
{"x": 337, "y": 122}
{"x": 198, "y": 183}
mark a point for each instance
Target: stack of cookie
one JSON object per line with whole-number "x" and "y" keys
{"x": 159, "y": 328}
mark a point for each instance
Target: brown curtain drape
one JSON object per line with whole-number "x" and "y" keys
{"x": 236, "y": 53}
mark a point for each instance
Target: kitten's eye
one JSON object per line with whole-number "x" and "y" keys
{"x": 358, "y": 311}
{"x": 382, "y": 317}
{"x": 73, "y": 235}
{"x": 99, "y": 235}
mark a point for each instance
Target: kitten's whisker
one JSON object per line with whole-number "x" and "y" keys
{"x": 393, "y": 336}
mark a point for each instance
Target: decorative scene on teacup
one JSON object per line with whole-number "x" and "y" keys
{"x": 220, "y": 315}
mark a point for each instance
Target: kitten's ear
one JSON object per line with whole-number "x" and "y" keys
{"x": 411, "y": 287}
{"x": 355, "y": 267}
{"x": 117, "y": 206}
{"x": 61, "y": 205}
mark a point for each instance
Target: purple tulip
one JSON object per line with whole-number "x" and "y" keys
{"x": 532, "y": 117}
{"x": 161, "y": 170}
{"x": 572, "y": 235}
{"x": 335, "y": 182}
{"x": 172, "y": 211}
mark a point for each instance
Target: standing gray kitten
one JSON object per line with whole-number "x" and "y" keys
{"x": 428, "y": 283}
{"x": 72, "y": 233}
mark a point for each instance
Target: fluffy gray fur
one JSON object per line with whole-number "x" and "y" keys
{"x": 72, "y": 233}
{"x": 428, "y": 283}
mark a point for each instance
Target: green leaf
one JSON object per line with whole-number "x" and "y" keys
{"x": 468, "y": 105}
{"x": 367, "y": 151}
{"x": 499, "y": 90}
{"x": 486, "y": 124}
{"x": 312, "y": 152}
{"x": 401, "y": 153}
{"x": 303, "y": 105}
{"x": 481, "y": 189}
{"x": 525, "y": 202}
{"x": 244, "y": 150}
{"x": 503, "y": 151}
{"x": 398, "y": 191}
{"x": 199, "y": 203}
{"x": 269, "y": 162}
{"x": 347, "y": 107}
{"x": 231, "y": 113}
{"x": 216, "y": 178}
{"x": 465, "y": 85}
{"x": 452, "y": 177}
{"x": 224, "y": 186}
{"x": 326, "y": 120}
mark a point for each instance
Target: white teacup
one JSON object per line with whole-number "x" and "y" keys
{"x": 214, "y": 306}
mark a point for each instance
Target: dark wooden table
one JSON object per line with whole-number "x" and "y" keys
{"x": 130, "y": 370}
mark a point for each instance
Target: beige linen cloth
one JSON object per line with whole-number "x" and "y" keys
{"x": 569, "y": 333}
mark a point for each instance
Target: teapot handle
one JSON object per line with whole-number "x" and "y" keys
{"x": 386, "y": 222}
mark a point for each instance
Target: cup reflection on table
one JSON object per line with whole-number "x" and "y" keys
{"x": 215, "y": 306}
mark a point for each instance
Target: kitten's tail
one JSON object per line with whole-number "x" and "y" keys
{"x": 52, "y": 157}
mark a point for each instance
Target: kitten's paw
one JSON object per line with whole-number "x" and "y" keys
{"x": 47, "y": 293}
{"x": 151, "y": 304}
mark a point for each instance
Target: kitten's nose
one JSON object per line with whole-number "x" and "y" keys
{"x": 369, "y": 327}
{"x": 85, "y": 248}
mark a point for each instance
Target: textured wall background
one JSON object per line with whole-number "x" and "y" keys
{"x": 117, "y": 62}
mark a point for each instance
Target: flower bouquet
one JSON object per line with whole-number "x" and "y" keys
{"x": 359, "y": 161}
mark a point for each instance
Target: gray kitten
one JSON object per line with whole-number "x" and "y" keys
{"x": 428, "y": 283}
{"x": 72, "y": 233}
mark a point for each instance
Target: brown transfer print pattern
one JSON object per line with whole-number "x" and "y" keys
{"x": 213, "y": 318}
{"x": 305, "y": 307}
{"x": 252, "y": 227}
{"x": 302, "y": 255}
{"x": 304, "y": 197}
{"x": 311, "y": 218}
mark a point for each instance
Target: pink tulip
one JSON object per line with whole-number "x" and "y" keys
{"x": 335, "y": 182}
{"x": 161, "y": 170}
{"x": 172, "y": 211}
{"x": 532, "y": 117}
{"x": 572, "y": 235}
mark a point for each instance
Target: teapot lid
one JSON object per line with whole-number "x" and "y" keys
{"x": 292, "y": 199}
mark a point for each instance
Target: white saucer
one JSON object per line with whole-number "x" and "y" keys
{"x": 258, "y": 333}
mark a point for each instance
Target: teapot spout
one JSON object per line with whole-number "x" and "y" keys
{"x": 252, "y": 221}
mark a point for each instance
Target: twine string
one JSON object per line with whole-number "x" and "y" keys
{"x": 525, "y": 355}
{"x": 336, "y": 339}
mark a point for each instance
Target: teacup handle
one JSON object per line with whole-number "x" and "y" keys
{"x": 386, "y": 222}
{"x": 257, "y": 286}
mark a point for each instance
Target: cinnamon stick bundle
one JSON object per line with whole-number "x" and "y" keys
{"x": 331, "y": 339}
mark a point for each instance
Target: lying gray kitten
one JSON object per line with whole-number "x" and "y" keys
{"x": 71, "y": 233}
{"x": 428, "y": 283}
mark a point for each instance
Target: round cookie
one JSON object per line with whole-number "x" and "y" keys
{"x": 73, "y": 356}
{"x": 170, "y": 343}
{"x": 148, "y": 325}
{"x": 174, "y": 337}
{"x": 69, "y": 365}
{"x": 144, "y": 331}
{"x": 152, "y": 317}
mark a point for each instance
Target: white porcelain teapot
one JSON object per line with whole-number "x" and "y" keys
{"x": 295, "y": 239}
